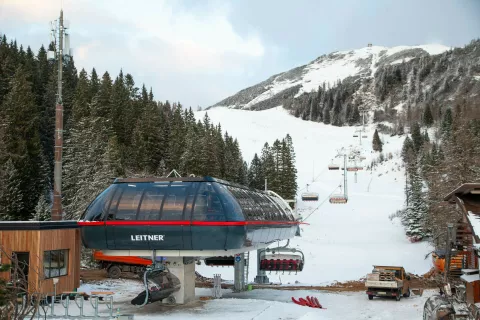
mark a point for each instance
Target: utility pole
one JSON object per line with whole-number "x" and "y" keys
{"x": 62, "y": 50}
{"x": 448, "y": 251}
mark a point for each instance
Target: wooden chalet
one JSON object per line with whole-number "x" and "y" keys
{"x": 48, "y": 252}
{"x": 467, "y": 200}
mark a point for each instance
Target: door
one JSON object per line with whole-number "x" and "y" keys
{"x": 20, "y": 275}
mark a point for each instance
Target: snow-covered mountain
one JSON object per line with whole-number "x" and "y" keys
{"x": 328, "y": 70}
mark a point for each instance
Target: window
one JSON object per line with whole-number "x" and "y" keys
{"x": 152, "y": 201}
{"x": 233, "y": 211}
{"x": 246, "y": 203}
{"x": 259, "y": 206}
{"x": 208, "y": 206}
{"x": 98, "y": 208}
{"x": 114, "y": 203}
{"x": 55, "y": 263}
{"x": 175, "y": 201}
{"x": 190, "y": 198}
{"x": 128, "y": 205}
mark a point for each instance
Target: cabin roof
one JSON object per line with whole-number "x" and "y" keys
{"x": 38, "y": 225}
{"x": 183, "y": 179}
{"x": 461, "y": 190}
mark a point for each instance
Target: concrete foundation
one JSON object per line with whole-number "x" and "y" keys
{"x": 185, "y": 272}
{"x": 239, "y": 273}
{"x": 261, "y": 277}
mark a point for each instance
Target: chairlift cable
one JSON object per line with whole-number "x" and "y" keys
{"x": 328, "y": 197}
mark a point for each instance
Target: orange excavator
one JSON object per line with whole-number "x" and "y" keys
{"x": 115, "y": 265}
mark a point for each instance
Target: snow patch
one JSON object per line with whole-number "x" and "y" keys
{"x": 476, "y": 77}
{"x": 401, "y": 60}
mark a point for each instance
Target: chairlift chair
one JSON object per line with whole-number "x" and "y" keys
{"x": 310, "y": 196}
{"x": 359, "y": 168}
{"x": 364, "y": 136}
{"x": 333, "y": 166}
{"x": 355, "y": 135}
{"x": 282, "y": 259}
{"x": 352, "y": 168}
{"x": 338, "y": 199}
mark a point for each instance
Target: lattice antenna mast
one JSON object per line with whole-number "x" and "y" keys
{"x": 62, "y": 51}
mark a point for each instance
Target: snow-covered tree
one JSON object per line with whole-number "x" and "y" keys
{"x": 42, "y": 210}
{"x": 376, "y": 142}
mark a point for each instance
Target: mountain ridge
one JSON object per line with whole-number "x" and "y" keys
{"x": 390, "y": 84}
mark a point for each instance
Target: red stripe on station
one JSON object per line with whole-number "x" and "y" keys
{"x": 184, "y": 223}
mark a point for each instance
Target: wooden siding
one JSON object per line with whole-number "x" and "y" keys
{"x": 36, "y": 242}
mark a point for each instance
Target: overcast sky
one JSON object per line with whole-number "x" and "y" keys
{"x": 199, "y": 52}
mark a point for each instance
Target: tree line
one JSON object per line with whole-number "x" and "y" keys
{"x": 438, "y": 164}
{"x": 112, "y": 128}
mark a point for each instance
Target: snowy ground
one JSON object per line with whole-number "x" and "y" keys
{"x": 258, "y": 304}
{"x": 343, "y": 241}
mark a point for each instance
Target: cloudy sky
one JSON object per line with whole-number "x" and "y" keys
{"x": 200, "y": 51}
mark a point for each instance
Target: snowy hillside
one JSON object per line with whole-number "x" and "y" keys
{"x": 328, "y": 69}
{"x": 343, "y": 241}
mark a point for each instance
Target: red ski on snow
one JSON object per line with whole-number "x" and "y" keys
{"x": 311, "y": 302}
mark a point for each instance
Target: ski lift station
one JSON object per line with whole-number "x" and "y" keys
{"x": 173, "y": 221}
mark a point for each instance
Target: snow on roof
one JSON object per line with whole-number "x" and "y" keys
{"x": 475, "y": 222}
{"x": 470, "y": 277}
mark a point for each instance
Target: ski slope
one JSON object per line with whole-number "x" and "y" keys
{"x": 342, "y": 241}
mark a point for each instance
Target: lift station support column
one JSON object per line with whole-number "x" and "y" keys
{"x": 184, "y": 269}
{"x": 261, "y": 277}
{"x": 239, "y": 273}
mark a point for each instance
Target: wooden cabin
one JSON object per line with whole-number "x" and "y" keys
{"x": 467, "y": 200}
{"x": 49, "y": 252}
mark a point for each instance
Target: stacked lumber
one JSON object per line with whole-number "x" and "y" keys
{"x": 387, "y": 276}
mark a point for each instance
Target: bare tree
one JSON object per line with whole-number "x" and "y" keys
{"x": 19, "y": 298}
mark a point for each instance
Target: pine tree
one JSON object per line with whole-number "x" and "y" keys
{"x": 377, "y": 143}
{"x": 427, "y": 117}
{"x": 417, "y": 209}
{"x": 11, "y": 197}
{"x": 176, "y": 140}
{"x": 255, "y": 174}
{"x": 326, "y": 115}
{"x": 22, "y": 140}
{"x": 42, "y": 210}
{"x": 417, "y": 137}
{"x": 289, "y": 175}
{"x": 277, "y": 153}
{"x": 268, "y": 165}
{"x": 337, "y": 108}
{"x": 81, "y": 102}
{"x": 408, "y": 150}
{"x": 447, "y": 123}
